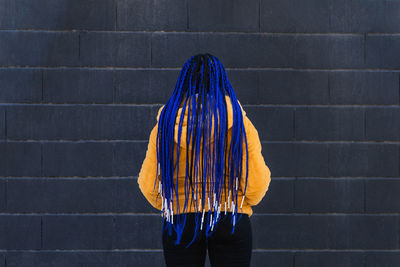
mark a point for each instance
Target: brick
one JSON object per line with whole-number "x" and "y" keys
{"x": 294, "y": 16}
{"x": 20, "y": 159}
{"x": 329, "y": 16}
{"x": 330, "y": 259}
{"x": 78, "y": 232}
{"x": 325, "y": 231}
{"x": 115, "y": 49}
{"x": 45, "y": 48}
{"x": 174, "y": 49}
{"x": 77, "y": 159}
{"x": 129, "y": 157}
{"x": 3, "y": 193}
{"x": 152, "y": 15}
{"x": 279, "y": 197}
{"x": 329, "y": 51}
{"x": 365, "y": 16}
{"x": 382, "y": 52}
{"x": 357, "y": 159}
{"x": 138, "y": 232}
{"x": 245, "y": 83}
{"x": 145, "y": 86}
{"x": 384, "y": 258}
{"x": 2, "y": 122}
{"x": 31, "y": 122}
{"x": 82, "y": 122}
{"x": 364, "y": 87}
{"x": 296, "y": 159}
{"x": 272, "y": 123}
{"x": 314, "y": 123}
{"x": 226, "y": 15}
{"x": 382, "y": 195}
{"x": 278, "y": 258}
{"x": 127, "y": 120}
{"x": 382, "y": 123}
{"x": 19, "y": 232}
{"x": 78, "y": 258}
{"x": 329, "y": 195}
{"x": 73, "y": 195}
{"x": 58, "y": 14}
{"x": 78, "y": 86}
{"x": 20, "y": 85}
{"x": 292, "y": 87}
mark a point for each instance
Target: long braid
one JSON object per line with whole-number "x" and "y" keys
{"x": 202, "y": 86}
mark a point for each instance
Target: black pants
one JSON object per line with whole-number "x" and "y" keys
{"x": 224, "y": 248}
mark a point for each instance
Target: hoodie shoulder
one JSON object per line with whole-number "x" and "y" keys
{"x": 159, "y": 112}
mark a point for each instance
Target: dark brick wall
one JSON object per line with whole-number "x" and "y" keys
{"x": 81, "y": 82}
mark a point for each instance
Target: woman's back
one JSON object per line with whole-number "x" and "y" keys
{"x": 204, "y": 164}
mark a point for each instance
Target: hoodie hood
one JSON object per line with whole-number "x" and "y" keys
{"x": 185, "y": 118}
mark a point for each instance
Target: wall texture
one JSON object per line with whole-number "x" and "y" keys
{"x": 80, "y": 84}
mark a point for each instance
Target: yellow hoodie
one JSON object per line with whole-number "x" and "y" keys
{"x": 259, "y": 175}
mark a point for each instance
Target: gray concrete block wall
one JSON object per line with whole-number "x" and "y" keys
{"x": 81, "y": 82}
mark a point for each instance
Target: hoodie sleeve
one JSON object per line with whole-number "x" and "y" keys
{"x": 259, "y": 175}
{"x": 148, "y": 171}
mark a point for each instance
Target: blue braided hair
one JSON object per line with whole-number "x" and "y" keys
{"x": 202, "y": 86}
